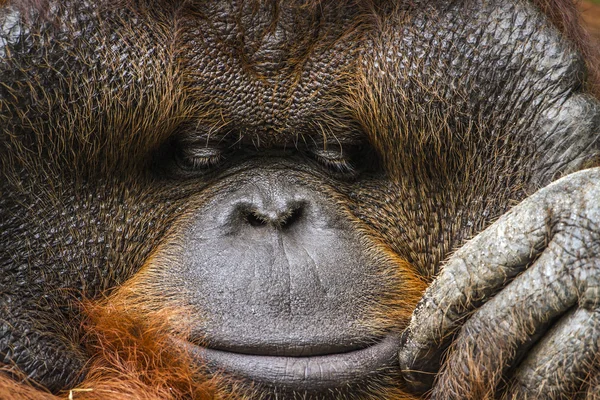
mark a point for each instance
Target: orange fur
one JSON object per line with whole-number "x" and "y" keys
{"x": 134, "y": 358}
{"x": 13, "y": 389}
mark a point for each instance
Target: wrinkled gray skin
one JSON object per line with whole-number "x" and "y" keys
{"x": 537, "y": 265}
{"x": 475, "y": 105}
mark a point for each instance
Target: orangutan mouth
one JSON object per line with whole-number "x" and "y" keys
{"x": 305, "y": 373}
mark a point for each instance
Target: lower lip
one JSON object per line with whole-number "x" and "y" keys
{"x": 313, "y": 373}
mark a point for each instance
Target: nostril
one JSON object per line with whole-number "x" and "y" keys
{"x": 281, "y": 219}
{"x": 290, "y": 218}
{"x": 255, "y": 220}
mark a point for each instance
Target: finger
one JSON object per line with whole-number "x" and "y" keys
{"x": 503, "y": 328}
{"x": 484, "y": 265}
{"x": 474, "y": 273}
{"x": 562, "y": 361}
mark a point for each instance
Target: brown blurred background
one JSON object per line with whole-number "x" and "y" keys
{"x": 591, "y": 15}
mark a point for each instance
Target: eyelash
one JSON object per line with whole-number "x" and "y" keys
{"x": 194, "y": 159}
{"x": 337, "y": 164}
{"x": 201, "y": 159}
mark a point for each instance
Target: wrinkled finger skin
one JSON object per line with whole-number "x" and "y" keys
{"x": 527, "y": 288}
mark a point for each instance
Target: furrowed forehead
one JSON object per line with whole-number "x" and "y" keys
{"x": 308, "y": 68}
{"x": 279, "y": 70}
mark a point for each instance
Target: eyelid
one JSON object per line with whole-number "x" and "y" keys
{"x": 199, "y": 157}
{"x": 334, "y": 160}
{"x": 201, "y": 151}
{"x": 331, "y": 154}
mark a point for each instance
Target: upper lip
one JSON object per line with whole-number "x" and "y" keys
{"x": 304, "y": 373}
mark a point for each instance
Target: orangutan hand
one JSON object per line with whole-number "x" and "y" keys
{"x": 518, "y": 304}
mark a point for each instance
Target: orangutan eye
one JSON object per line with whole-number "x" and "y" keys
{"x": 193, "y": 158}
{"x": 335, "y": 160}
